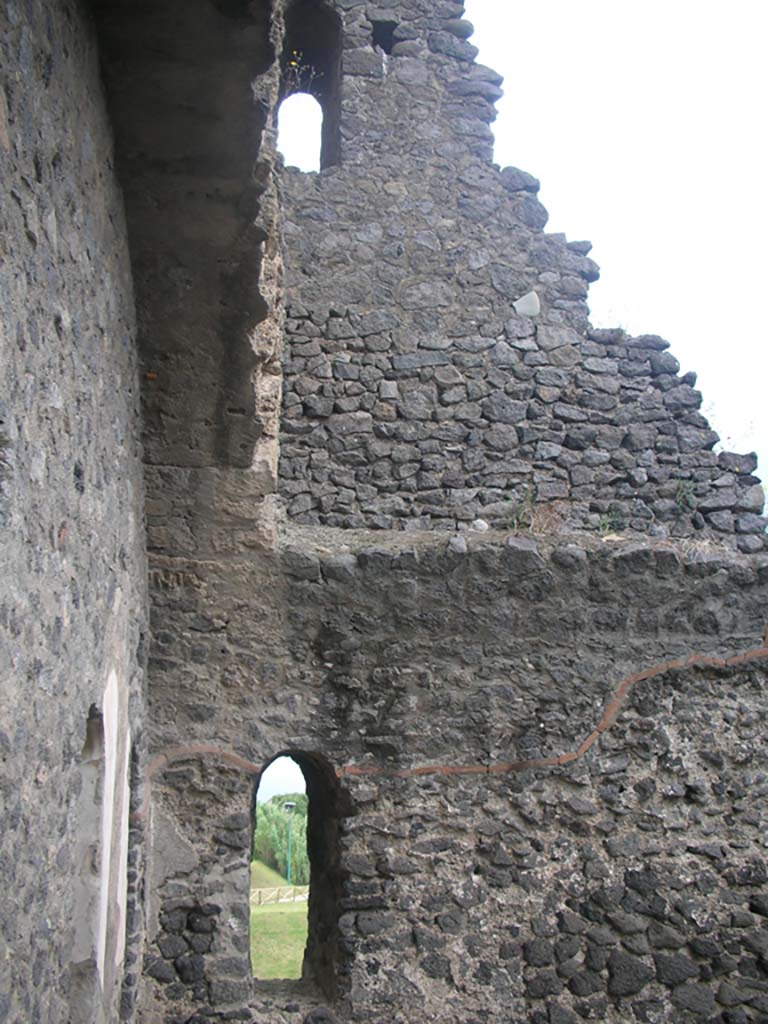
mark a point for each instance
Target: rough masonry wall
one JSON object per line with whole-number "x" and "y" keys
{"x": 190, "y": 88}
{"x": 371, "y": 657}
{"x": 480, "y": 881}
{"x": 536, "y": 770}
{"x": 72, "y": 577}
{"x": 415, "y": 396}
{"x": 189, "y": 91}
{"x": 630, "y": 886}
{"x": 571, "y": 878}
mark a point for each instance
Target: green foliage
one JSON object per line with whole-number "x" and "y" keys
{"x": 685, "y": 496}
{"x": 270, "y": 838}
{"x": 300, "y": 799}
{"x": 610, "y": 521}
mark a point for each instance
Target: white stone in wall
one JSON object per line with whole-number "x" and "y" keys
{"x": 122, "y": 852}
{"x": 110, "y": 715}
{"x": 528, "y": 305}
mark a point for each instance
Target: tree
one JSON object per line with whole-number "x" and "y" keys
{"x": 270, "y": 838}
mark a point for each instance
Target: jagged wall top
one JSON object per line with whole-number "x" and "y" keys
{"x": 416, "y": 395}
{"x": 410, "y": 82}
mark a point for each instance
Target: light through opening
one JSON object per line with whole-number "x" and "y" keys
{"x": 299, "y": 139}
{"x": 280, "y": 873}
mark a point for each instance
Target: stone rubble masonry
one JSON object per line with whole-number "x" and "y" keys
{"x": 376, "y": 435}
{"x": 72, "y": 564}
{"x": 414, "y": 396}
{"x": 202, "y": 218}
{"x": 535, "y": 754}
{"x": 482, "y": 867}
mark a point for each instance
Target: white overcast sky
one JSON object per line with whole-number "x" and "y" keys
{"x": 282, "y": 776}
{"x": 645, "y": 123}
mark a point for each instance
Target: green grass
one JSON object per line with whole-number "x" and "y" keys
{"x": 278, "y": 938}
{"x": 263, "y": 877}
{"x": 278, "y": 930}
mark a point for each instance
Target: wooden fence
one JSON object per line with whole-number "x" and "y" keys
{"x": 279, "y": 894}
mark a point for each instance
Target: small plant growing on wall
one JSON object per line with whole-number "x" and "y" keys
{"x": 522, "y": 518}
{"x": 299, "y": 75}
{"x": 685, "y": 499}
{"x": 610, "y": 522}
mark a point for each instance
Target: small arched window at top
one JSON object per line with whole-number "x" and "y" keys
{"x": 299, "y": 131}
{"x": 311, "y": 64}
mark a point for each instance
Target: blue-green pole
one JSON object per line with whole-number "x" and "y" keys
{"x": 289, "y": 806}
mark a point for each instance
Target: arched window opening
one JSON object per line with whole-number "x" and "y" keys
{"x": 299, "y": 131}
{"x": 279, "y": 873}
{"x": 99, "y": 910}
{"x": 294, "y": 928}
{"x": 311, "y": 63}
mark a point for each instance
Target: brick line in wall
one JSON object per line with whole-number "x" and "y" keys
{"x": 609, "y": 716}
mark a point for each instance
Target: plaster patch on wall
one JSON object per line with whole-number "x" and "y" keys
{"x": 122, "y": 853}
{"x": 172, "y": 855}
{"x": 111, "y": 720}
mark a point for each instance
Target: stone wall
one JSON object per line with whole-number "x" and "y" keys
{"x": 535, "y": 759}
{"x": 630, "y": 886}
{"x": 190, "y": 88}
{"x": 494, "y": 865}
{"x": 73, "y": 578}
{"x": 599, "y": 429}
{"x": 372, "y": 657}
{"x": 205, "y": 261}
{"x": 415, "y": 395}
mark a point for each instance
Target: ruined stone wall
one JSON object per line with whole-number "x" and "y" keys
{"x": 415, "y": 395}
{"x": 626, "y": 884}
{"x": 535, "y": 765}
{"x": 485, "y": 834}
{"x": 72, "y": 577}
{"x": 189, "y": 92}
{"x": 511, "y": 849}
{"x": 190, "y": 89}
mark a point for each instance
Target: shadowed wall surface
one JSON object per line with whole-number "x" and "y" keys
{"x": 73, "y": 578}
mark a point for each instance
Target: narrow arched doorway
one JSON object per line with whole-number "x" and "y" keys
{"x": 279, "y": 873}
{"x": 314, "y": 824}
